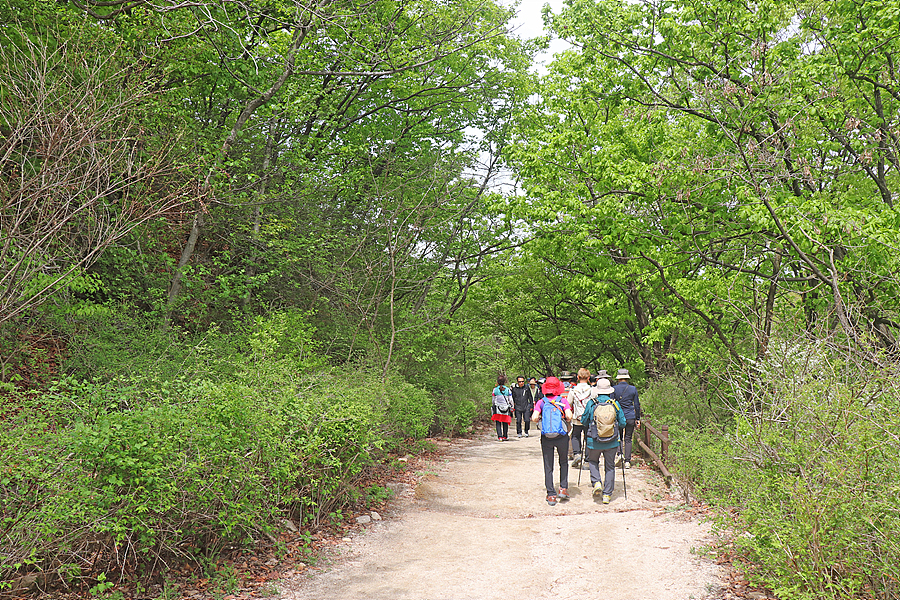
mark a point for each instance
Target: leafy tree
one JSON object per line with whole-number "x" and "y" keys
{"x": 689, "y": 146}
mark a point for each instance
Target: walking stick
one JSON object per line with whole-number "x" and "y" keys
{"x": 584, "y": 443}
{"x": 583, "y": 453}
{"x": 624, "y": 487}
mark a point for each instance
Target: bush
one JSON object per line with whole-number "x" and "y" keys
{"x": 454, "y": 415}
{"x": 809, "y": 468}
{"x": 115, "y": 473}
{"x": 679, "y": 401}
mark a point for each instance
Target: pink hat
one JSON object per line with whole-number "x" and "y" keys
{"x": 552, "y": 387}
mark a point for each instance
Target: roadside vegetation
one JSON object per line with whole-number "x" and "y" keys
{"x": 252, "y": 253}
{"x": 195, "y": 445}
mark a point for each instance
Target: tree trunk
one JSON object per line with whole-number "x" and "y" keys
{"x": 196, "y": 229}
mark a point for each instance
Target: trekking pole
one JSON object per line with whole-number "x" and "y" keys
{"x": 624, "y": 487}
{"x": 583, "y": 453}
{"x": 583, "y": 446}
{"x": 584, "y": 450}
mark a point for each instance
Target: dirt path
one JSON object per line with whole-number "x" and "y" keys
{"x": 477, "y": 526}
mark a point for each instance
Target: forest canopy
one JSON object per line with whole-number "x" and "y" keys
{"x": 261, "y": 216}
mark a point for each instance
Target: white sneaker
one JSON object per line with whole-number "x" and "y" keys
{"x": 526, "y": 434}
{"x": 627, "y": 465}
{"x": 518, "y": 435}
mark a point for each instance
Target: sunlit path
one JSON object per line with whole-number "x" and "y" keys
{"x": 477, "y": 527}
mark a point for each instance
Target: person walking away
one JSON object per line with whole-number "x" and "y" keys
{"x": 627, "y": 397}
{"x": 601, "y": 374}
{"x": 578, "y": 398}
{"x": 553, "y": 411}
{"x": 501, "y": 408}
{"x": 532, "y": 395}
{"x": 568, "y": 381}
{"x": 605, "y": 442}
{"x": 520, "y": 404}
{"x": 595, "y": 380}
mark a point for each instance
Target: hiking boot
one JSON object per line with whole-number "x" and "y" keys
{"x": 627, "y": 464}
{"x": 577, "y": 462}
{"x": 606, "y": 498}
{"x": 551, "y": 499}
{"x": 598, "y": 487}
{"x": 619, "y": 458}
{"x": 563, "y": 493}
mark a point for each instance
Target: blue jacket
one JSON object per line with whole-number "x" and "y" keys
{"x": 627, "y": 396}
{"x": 588, "y": 414}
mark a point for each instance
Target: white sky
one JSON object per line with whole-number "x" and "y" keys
{"x": 528, "y": 23}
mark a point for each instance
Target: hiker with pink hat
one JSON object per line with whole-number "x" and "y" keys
{"x": 554, "y": 412}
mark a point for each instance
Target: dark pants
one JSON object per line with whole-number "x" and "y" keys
{"x": 502, "y": 429}
{"x": 559, "y": 445}
{"x": 625, "y": 438}
{"x": 577, "y": 435}
{"x": 526, "y": 415}
{"x": 609, "y": 466}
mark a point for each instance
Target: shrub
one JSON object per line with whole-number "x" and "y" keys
{"x": 113, "y": 473}
{"x": 680, "y": 401}
{"x": 462, "y": 401}
{"x": 809, "y": 468}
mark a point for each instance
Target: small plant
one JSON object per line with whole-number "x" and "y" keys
{"x": 222, "y": 579}
{"x": 335, "y": 517}
{"x": 377, "y": 494}
{"x": 101, "y": 586}
{"x": 169, "y": 591}
{"x": 280, "y": 548}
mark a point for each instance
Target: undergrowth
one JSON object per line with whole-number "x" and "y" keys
{"x": 177, "y": 447}
{"x": 804, "y": 471}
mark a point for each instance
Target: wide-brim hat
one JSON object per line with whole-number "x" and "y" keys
{"x": 552, "y": 387}
{"x": 603, "y": 387}
{"x": 566, "y": 376}
{"x": 623, "y": 374}
{"x": 602, "y": 374}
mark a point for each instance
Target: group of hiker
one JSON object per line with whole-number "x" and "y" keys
{"x": 582, "y": 415}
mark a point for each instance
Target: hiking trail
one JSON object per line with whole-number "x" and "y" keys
{"x": 477, "y": 527}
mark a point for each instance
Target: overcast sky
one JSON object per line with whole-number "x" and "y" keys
{"x": 528, "y": 22}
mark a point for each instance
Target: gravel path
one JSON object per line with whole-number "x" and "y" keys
{"x": 477, "y": 527}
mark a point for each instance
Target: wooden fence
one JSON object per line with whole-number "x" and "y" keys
{"x": 648, "y": 432}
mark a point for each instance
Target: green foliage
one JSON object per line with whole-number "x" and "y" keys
{"x": 375, "y": 495}
{"x": 173, "y": 461}
{"x": 808, "y": 470}
{"x": 454, "y": 415}
{"x": 409, "y": 410}
{"x": 684, "y": 403}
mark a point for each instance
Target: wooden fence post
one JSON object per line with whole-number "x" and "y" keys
{"x": 665, "y": 443}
